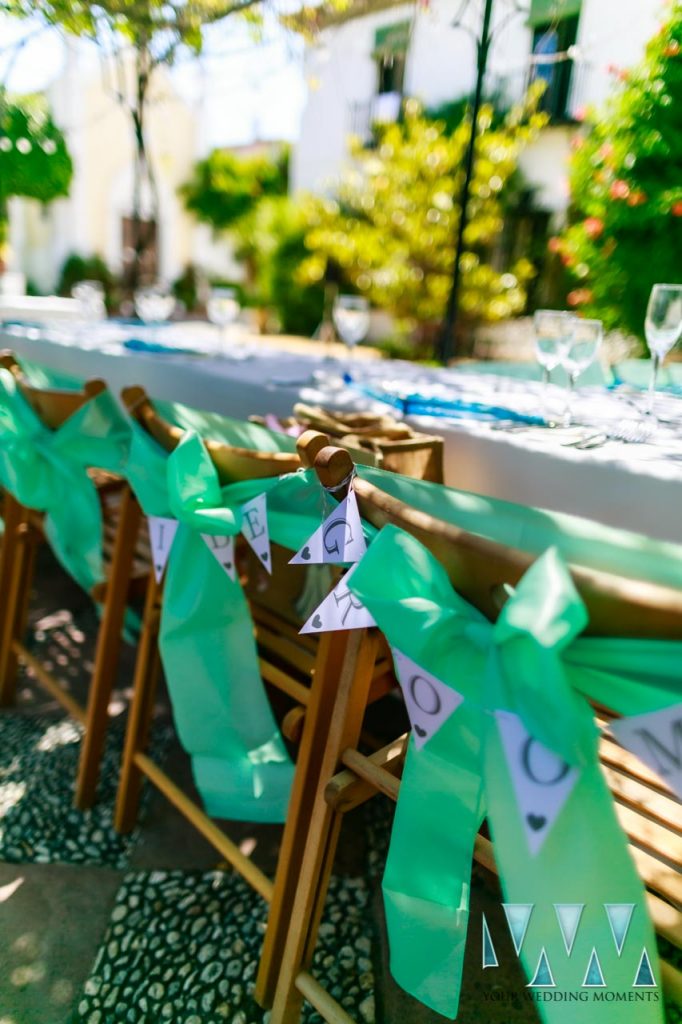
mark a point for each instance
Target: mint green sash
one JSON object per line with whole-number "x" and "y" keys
{"x": 224, "y": 721}
{"x": 533, "y": 663}
{"x": 46, "y": 470}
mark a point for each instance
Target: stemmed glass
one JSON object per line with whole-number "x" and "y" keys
{"x": 552, "y": 334}
{"x": 222, "y": 309}
{"x": 351, "y": 319}
{"x": 579, "y": 352}
{"x": 90, "y": 295}
{"x": 662, "y": 327}
{"x": 154, "y": 304}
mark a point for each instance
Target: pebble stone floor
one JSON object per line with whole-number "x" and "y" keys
{"x": 95, "y": 929}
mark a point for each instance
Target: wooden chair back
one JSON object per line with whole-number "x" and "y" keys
{"x": 232, "y": 463}
{"x": 481, "y": 568}
{"x": 52, "y": 405}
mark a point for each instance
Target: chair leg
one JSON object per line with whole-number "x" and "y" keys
{"x": 317, "y": 723}
{"x": 17, "y": 578}
{"x": 108, "y": 649}
{"x": 323, "y": 831}
{"x": 140, "y": 714}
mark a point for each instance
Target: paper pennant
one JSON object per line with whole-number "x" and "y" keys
{"x": 656, "y": 739}
{"x": 428, "y": 700}
{"x": 339, "y": 539}
{"x": 619, "y": 915}
{"x": 568, "y": 916}
{"x": 255, "y": 529}
{"x": 340, "y": 610}
{"x": 518, "y": 916}
{"x": 222, "y": 548}
{"x": 542, "y": 782}
{"x": 162, "y": 531}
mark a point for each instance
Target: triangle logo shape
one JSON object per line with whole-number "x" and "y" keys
{"x": 489, "y": 954}
{"x": 619, "y": 915}
{"x": 162, "y": 530}
{"x": 543, "y": 977}
{"x": 568, "y": 916}
{"x": 594, "y": 977}
{"x": 644, "y": 977}
{"x": 518, "y": 917}
{"x": 338, "y": 540}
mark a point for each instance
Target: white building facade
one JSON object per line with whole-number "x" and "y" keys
{"x": 361, "y": 67}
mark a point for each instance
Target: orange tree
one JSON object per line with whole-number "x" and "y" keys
{"x": 625, "y": 229}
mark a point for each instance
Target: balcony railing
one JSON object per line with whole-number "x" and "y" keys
{"x": 381, "y": 109}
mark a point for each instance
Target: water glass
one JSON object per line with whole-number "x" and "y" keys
{"x": 351, "y": 319}
{"x": 662, "y": 327}
{"x": 580, "y": 351}
{"x": 552, "y": 334}
{"x": 154, "y": 304}
{"x": 222, "y": 310}
{"x": 90, "y": 296}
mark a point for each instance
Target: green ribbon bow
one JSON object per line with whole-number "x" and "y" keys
{"x": 241, "y": 767}
{"x": 46, "y": 470}
{"x": 530, "y": 663}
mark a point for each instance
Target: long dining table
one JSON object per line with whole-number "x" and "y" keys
{"x": 613, "y": 466}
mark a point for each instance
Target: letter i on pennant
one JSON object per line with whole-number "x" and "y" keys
{"x": 162, "y": 532}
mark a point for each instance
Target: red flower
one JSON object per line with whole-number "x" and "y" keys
{"x": 637, "y": 197}
{"x": 554, "y": 244}
{"x": 594, "y": 226}
{"x": 580, "y": 113}
{"x": 606, "y": 151}
{"x": 676, "y": 209}
{"x": 672, "y": 49}
{"x": 579, "y": 296}
{"x": 567, "y": 259}
{"x": 619, "y": 189}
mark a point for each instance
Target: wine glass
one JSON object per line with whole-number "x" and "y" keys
{"x": 351, "y": 319}
{"x": 580, "y": 350}
{"x": 662, "y": 327}
{"x": 552, "y": 334}
{"x": 154, "y": 304}
{"x": 222, "y": 309}
{"x": 90, "y": 296}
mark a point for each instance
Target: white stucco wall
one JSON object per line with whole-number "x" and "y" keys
{"x": 441, "y": 67}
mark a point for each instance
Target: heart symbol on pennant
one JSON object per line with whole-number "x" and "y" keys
{"x": 306, "y": 553}
{"x": 536, "y": 821}
{"x": 420, "y": 732}
{"x": 228, "y": 565}
{"x": 317, "y": 622}
{"x": 265, "y": 556}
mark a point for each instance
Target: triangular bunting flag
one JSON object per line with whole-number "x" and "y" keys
{"x": 162, "y": 531}
{"x": 543, "y": 977}
{"x": 222, "y": 548}
{"x": 340, "y": 610}
{"x": 339, "y": 539}
{"x": 594, "y": 977}
{"x": 568, "y": 916}
{"x": 255, "y": 529}
{"x": 542, "y": 781}
{"x": 656, "y": 739}
{"x": 489, "y": 954}
{"x": 619, "y": 915}
{"x": 518, "y": 916}
{"x": 644, "y": 977}
{"x": 428, "y": 700}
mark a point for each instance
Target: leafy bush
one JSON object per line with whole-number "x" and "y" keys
{"x": 626, "y": 190}
{"x": 87, "y": 268}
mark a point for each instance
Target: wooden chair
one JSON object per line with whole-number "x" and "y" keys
{"x": 479, "y": 569}
{"x": 299, "y": 667}
{"x": 126, "y": 560}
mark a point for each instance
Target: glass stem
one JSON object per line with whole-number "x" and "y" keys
{"x": 568, "y": 412}
{"x": 655, "y": 364}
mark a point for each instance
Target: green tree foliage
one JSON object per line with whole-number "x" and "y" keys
{"x": 626, "y": 189}
{"x": 225, "y": 186}
{"x": 392, "y": 226}
{"x": 34, "y": 160}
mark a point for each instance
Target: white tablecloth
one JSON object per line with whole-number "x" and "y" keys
{"x": 633, "y": 486}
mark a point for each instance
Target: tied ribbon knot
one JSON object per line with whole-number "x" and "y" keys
{"x": 525, "y": 666}
{"x": 46, "y": 470}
